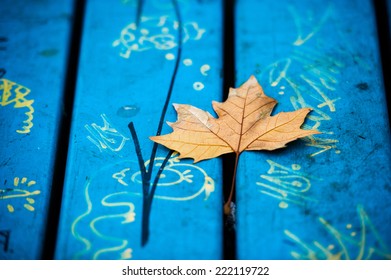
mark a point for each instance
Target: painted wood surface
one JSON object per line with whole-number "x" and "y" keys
{"x": 327, "y": 196}
{"x": 33, "y": 54}
{"x": 135, "y": 62}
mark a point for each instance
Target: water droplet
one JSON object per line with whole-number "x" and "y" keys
{"x": 204, "y": 68}
{"x": 198, "y": 86}
{"x": 128, "y": 111}
{"x": 187, "y": 61}
{"x": 282, "y": 87}
{"x": 280, "y": 92}
{"x": 165, "y": 30}
{"x": 170, "y": 56}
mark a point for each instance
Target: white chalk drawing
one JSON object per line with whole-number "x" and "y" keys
{"x": 109, "y": 226}
{"x": 198, "y": 86}
{"x": 310, "y": 25}
{"x": 311, "y": 78}
{"x": 286, "y": 184}
{"x": 106, "y": 137}
{"x": 188, "y": 62}
{"x": 204, "y": 69}
{"x": 158, "y": 33}
{"x": 175, "y": 173}
{"x": 98, "y": 241}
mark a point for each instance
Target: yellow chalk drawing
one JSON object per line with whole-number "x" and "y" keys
{"x": 106, "y": 136}
{"x": 10, "y": 208}
{"x": 113, "y": 207}
{"x": 17, "y": 192}
{"x": 289, "y": 185}
{"x": 360, "y": 242}
{"x": 28, "y": 207}
{"x": 13, "y": 93}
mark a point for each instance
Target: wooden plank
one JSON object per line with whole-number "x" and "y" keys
{"x": 33, "y": 54}
{"x": 131, "y": 56}
{"x": 327, "y": 196}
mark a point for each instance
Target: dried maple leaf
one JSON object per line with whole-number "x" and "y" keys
{"x": 243, "y": 123}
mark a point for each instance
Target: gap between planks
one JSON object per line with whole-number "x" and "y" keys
{"x": 64, "y": 132}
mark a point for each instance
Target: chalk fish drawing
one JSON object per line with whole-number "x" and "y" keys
{"x": 174, "y": 173}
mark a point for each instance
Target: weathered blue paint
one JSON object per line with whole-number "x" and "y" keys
{"x": 34, "y": 39}
{"x": 328, "y": 196}
{"x": 128, "y": 59}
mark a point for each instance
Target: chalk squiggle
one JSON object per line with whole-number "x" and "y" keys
{"x": 88, "y": 228}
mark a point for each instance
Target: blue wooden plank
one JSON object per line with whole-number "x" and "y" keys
{"x": 326, "y": 196}
{"x": 131, "y": 56}
{"x": 34, "y": 39}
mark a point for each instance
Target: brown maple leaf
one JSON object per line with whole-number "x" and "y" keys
{"x": 243, "y": 123}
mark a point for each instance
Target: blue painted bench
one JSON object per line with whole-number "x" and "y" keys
{"x": 327, "y": 196}
{"x": 34, "y": 39}
{"x": 119, "y": 203}
{"x": 324, "y": 197}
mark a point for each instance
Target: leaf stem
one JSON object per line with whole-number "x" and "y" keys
{"x": 227, "y": 205}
